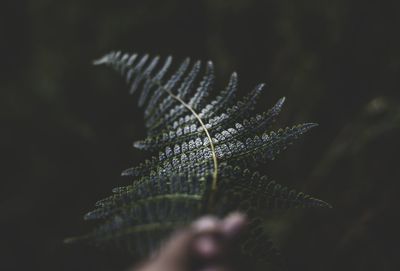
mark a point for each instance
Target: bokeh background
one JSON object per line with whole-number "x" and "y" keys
{"x": 67, "y": 127}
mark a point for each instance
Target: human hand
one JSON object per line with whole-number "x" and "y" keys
{"x": 209, "y": 244}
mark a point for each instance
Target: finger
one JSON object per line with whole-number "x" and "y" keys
{"x": 176, "y": 250}
{"x": 204, "y": 244}
{"x": 233, "y": 225}
{"x": 206, "y": 224}
{"x": 208, "y": 237}
{"x": 194, "y": 240}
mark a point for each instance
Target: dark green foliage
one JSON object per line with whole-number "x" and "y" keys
{"x": 175, "y": 186}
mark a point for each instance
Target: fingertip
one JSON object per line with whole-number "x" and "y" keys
{"x": 205, "y": 224}
{"x": 207, "y": 242}
{"x": 206, "y": 247}
{"x": 234, "y": 224}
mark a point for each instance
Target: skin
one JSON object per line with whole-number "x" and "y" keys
{"x": 209, "y": 244}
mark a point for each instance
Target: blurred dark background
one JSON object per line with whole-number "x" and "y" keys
{"x": 67, "y": 127}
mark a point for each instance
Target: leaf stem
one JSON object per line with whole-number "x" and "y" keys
{"x": 213, "y": 153}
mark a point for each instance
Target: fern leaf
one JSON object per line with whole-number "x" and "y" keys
{"x": 178, "y": 134}
{"x": 258, "y": 247}
{"x": 205, "y": 152}
{"x": 154, "y": 101}
{"x": 158, "y": 77}
{"x": 157, "y": 119}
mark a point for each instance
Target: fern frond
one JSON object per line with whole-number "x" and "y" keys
{"x": 215, "y": 125}
{"x": 205, "y": 152}
{"x": 255, "y": 194}
{"x": 158, "y": 77}
{"x": 149, "y": 189}
{"x": 257, "y": 245}
{"x": 156, "y": 120}
{"x": 248, "y": 151}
